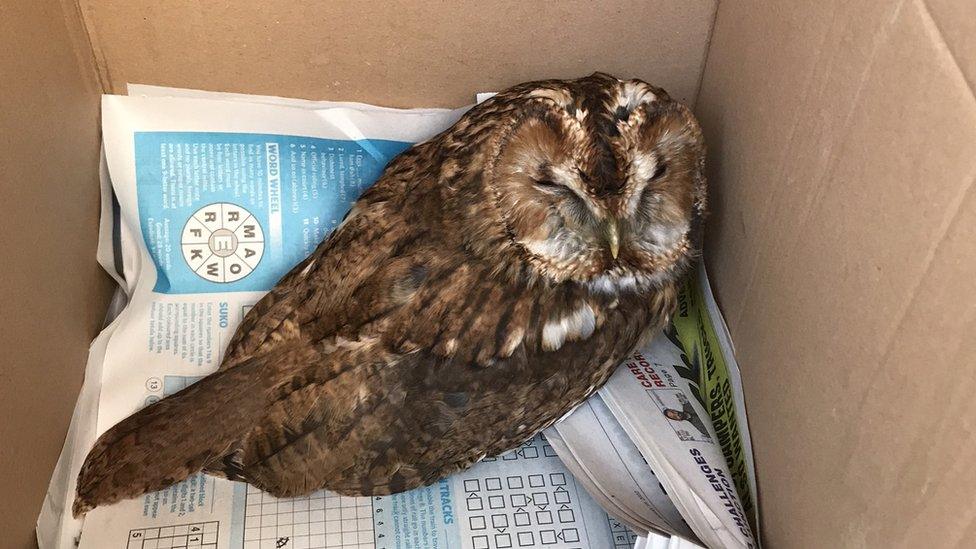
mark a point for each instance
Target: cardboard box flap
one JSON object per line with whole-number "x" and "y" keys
{"x": 395, "y": 53}
{"x": 845, "y": 140}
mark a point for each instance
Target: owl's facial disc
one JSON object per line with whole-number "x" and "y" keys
{"x": 605, "y": 198}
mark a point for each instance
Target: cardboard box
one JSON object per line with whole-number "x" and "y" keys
{"x": 842, "y": 143}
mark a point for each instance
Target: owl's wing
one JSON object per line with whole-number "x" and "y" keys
{"x": 449, "y": 367}
{"x": 366, "y": 418}
{"x": 423, "y": 359}
{"x": 333, "y": 291}
{"x": 370, "y": 418}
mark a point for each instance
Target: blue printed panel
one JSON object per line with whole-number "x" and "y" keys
{"x": 226, "y": 212}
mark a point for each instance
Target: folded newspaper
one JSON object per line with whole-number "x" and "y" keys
{"x": 208, "y": 198}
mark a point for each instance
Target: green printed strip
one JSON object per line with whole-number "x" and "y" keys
{"x": 705, "y": 368}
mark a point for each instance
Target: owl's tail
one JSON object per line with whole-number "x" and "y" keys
{"x": 172, "y": 439}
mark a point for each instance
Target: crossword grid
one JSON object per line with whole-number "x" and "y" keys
{"x": 198, "y": 535}
{"x": 522, "y": 510}
{"x": 318, "y": 521}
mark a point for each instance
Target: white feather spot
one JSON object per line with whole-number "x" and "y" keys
{"x": 450, "y": 345}
{"x": 578, "y": 324}
{"x": 553, "y": 336}
{"x": 308, "y": 268}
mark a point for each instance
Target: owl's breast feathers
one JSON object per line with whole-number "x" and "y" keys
{"x": 420, "y": 356}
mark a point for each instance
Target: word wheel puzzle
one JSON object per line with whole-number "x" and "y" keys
{"x": 222, "y": 242}
{"x": 198, "y": 535}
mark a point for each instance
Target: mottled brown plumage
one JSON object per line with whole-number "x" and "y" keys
{"x": 487, "y": 283}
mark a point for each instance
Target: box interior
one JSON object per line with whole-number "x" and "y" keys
{"x": 842, "y": 139}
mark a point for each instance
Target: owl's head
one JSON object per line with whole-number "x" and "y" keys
{"x": 595, "y": 180}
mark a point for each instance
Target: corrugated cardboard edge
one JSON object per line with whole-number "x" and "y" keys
{"x": 90, "y": 56}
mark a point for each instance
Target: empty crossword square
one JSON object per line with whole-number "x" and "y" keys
{"x": 525, "y": 539}
{"x": 540, "y": 498}
{"x": 477, "y": 523}
{"x": 515, "y": 483}
{"x": 474, "y": 503}
{"x": 480, "y": 542}
{"x": 561, "y": 496}
{"x": 503, "y": 541}
{"x": 537, "y": 481}
{"x": 570, "y": 535}
{"x": 543, "y": 517}
{"x": 522, "y": 519}
{"x": 496, "y": 502}
{"x": 530, "y": 452}
{"x": 499, "y": 521}
{"x": 547, "y": 537}
{"x": 557, "y": 479}
{"x": 493, "y": 483}
{"x": 566, "y": 515}
{"x": 519, "y": 500}
{"x": 472, "y": 485}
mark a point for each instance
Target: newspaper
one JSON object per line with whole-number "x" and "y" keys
{"x": 207, "y": 200}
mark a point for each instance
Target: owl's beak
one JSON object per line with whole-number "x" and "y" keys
{"x": 612, "y": 233}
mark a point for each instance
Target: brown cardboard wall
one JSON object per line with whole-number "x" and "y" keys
{"x": 52, "y": 294}
{"x": 402, "y": 53}
{"x": 843, "y": 139}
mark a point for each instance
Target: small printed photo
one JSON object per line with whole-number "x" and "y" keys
{"x": 682, "y": 416}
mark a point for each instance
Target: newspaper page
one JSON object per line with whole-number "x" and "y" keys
{"x": 214, "y": 201}
{"x": 598, "y": 451}
{"x": 670, "y": 426}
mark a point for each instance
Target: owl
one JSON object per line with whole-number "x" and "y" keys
{"x": 489, "y": 282}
